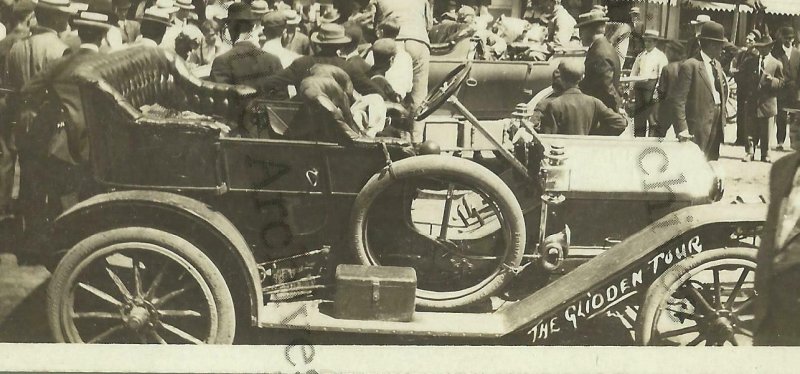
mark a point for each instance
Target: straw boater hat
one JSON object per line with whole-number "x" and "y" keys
{"x": 330, "y": 33}
{"x": 64, "y": 6}
{"x": 651, "y": 34}
{"x": 184, "y": 4}
{"x": 259, "y": 7}
{"x": 712, "y": 31}
{"x": 292, "y": 17}
{"x": 92, "y": 19}
{"x": 157, "y": 16}
{"x": 167, "y": 6}
{"x": 635, "y": 10}
{"x": 592, "y": 17}
{"x": 701, "y": 19}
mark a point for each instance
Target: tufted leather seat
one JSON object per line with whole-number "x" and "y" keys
{"x": 132, "y": 148}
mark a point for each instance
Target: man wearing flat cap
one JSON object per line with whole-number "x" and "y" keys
{"x": 245, "y": 63}
{"x": 647, "y": 66}
{"x": 744, "y": 68}
{"x": 764, "y": 102}
{"x": 57, "y": 168}
{"x": 701, "y": 93}
{"x": 602, "y": 63}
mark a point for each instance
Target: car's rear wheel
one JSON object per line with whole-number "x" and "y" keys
{"x": 139, "y": 285}
{"x": 704, "y": 299}
{"x": 455, "y": 222}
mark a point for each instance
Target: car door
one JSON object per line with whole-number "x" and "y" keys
{"x": 282, "y": 189}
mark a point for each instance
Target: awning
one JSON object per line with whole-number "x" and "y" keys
{"x": 717, "y": 6}
{"x": 786, "y": 7}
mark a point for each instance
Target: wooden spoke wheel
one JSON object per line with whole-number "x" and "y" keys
{"x": 705, "y": 299}
{"x": 139, "y": 285}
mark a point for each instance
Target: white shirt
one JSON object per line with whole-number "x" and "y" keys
{"x": 710, "y": 75}
{"x": 787, "y": 50}
{"x": 275, "y": 48}
{"x": 649, "y": 64}
{"x": 401, "y": 74}
{"x": 91, "y": 46}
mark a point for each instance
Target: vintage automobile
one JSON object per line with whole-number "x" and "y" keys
{"x": 204, "y": 226}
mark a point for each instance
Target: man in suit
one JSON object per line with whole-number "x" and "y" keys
{"x": 62, "y": 173}
{"x": 245, "y": 63}
{"x": 764, "y": 102}
{"x": 701, "y": 92}
{"x": 294, "y": 40}
{"x": 602, "y": 63}
{"x": 744, "y": 69}
{"x": 128, "y": 28}
{"x": 776, "y": 307}
{"x": 665, "y": 88}
{"x": 788, "y": 98}
{"x": 573, "y": 112}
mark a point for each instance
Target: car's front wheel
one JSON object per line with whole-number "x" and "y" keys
{"x": 139, "y": 285}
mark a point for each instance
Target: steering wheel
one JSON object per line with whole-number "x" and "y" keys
{"x": 449, "y": 86}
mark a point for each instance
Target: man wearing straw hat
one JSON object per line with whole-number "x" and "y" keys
{"x": 648, "y": 66}
{"x": 294, "y": 40}
{"x": 602, "y": 62}
{"x": 701, "y": 93}
{"x": 59, "y": 144}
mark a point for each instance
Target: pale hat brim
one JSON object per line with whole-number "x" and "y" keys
{"x": 592, "y": 21}
{"x": 340, "y": 40}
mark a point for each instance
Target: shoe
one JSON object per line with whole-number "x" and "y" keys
{"x": 779, "y": 147}
{"x": 766, "y": 159}
{"x": 747, "y": 158}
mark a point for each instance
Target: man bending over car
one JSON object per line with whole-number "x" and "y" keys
{"x": 575, "y": 113}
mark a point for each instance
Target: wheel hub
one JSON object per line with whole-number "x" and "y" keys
{"x": 137, "y": 317}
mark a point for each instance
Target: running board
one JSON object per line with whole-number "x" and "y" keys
{"x": 312, "y": 315}
{"x": 562, "y": 305}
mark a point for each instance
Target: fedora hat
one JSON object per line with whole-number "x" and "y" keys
{"x": 241, "y": 12}
{"x": 330, "y": 33}
{"x": 712, "y": 31}
{"x": 592, "y": 17}
{"x": 156, "y": 15}
{"x": 184, "y": 4}
{"x": 786, "y": 32}
{"x": 273, "y": 20}
{"x": 92, "y": 19}
{"x": 260, "y": 7}
{"x": 701, "y": 19}
{"x": 330, "y": 16}
{"x": 292, "y": 17}
{"x": 64, "y": 6}
{"x": 765, "y": 41}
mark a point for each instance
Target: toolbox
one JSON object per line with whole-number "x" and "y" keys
{"x": 384, "y": 293}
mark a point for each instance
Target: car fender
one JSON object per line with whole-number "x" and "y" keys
{"x": 193, "y": 220}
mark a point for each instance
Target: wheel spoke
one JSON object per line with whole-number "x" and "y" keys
{"x": 156, "y": 281}
{"x": 717, "y": 290}
{"x": 180, "y": 333}
{"x": 166, "y": 298}
{"x": 745, "y": 305}
{"x": 137, "y": 278}
{"x": 106, "y": 334}
{"x": 179, "y": 313}
{"x": 102, "y": 295}
{"x": 685, "y": 315}
{"x": 737, "y": 288}
{"x": 154, "y": 334}
{"x": 696, "y": 340}
{"x": 678, "y": 332}
{"x": 744, "y": 331}
{"x": 698, "y": 297}
{"x": 98, "y": 315}
{"x": 448, "y": 205}
{"x": 121, "y": 286}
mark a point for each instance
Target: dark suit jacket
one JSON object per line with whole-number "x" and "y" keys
{"x": 601, "y": 79}
{"x": 693, "y": 101}
{"x": 61, "y": 77}
{"x": 766, "y": 325}
{"x": 575, "y": 113}
{"x": 666, "y": 93}
{"x": 245, "y": 64}
{"x": 300, "y": 69}
{"x": 791, "y": 70}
